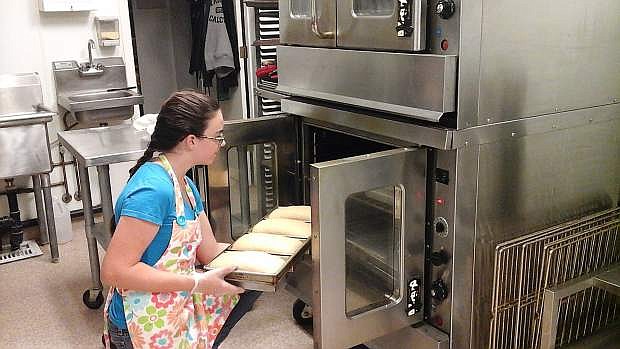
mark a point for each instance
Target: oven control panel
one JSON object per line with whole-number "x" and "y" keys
{"x": 442, "y": 35}
{"x": 440, "y": 237}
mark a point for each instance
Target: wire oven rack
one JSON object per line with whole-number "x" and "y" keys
{"x": 526, "y": 266}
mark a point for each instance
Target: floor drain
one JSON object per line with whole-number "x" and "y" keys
{"x": 26, "y": 250}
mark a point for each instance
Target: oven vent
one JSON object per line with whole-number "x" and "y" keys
{"x": 546, "y": 260}
{"x": 269, "y": 107}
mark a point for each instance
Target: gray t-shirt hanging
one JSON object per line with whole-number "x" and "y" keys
{"x": 218, "y": 52}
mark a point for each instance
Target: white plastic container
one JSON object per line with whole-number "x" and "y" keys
{"x": 62, "y": 219}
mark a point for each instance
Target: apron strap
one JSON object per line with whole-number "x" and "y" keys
{"x": 180, "y": 206}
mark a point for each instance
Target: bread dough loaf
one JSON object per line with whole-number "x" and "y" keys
{"x": 269, "y": 243}
{"x": 252, "y": 261}
{"x": 283, "y": 226}
{"x": 300, "y": 213}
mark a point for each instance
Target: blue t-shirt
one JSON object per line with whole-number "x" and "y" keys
{"x": 149, "y": 196}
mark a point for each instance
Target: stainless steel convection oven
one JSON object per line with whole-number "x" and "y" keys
{"x": 462, "y": 164}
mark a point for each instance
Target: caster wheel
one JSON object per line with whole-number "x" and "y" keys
{"x": 302, "y": 313}
{"x": 77, "y": 196}
{"x": 66, "y": 198}
{"x": 92, "y": 305}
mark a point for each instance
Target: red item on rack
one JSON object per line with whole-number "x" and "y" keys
{"x": 267, "y": 71}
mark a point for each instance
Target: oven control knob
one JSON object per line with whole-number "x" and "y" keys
{"x": 445, "y": 8}
{"x": 439, "y": 291}
{"x": 439, "y": 258}
{"x": 440, "y": 225}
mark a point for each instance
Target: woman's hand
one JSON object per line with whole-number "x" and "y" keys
{"x": 212, "y": 282}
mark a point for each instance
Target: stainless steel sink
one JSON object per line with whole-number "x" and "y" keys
{"x": 100, "y": 106}
{"x": 97, "y": 99}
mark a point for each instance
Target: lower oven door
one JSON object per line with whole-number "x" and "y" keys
{"x": 367, "y": 245}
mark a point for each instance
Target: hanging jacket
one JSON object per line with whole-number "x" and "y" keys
{"x": 199, "y": 12}
{"x": 218, "y": 52}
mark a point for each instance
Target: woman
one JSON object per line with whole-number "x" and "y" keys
{"x": 157, "y": 299}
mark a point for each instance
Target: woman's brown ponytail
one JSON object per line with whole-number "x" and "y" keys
{"x": 182, "y": 114}
{"x": 148, "y": 155}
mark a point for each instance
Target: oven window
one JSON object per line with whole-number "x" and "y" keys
{"x": 300, "y": 8}
{"x": 252, "y": 182}
{"x": 373, "y": 7}
{"x": 373, "y": 249}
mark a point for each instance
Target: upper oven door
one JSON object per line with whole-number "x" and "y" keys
{"x": 367, "y": 245}
{"x": 308, "y": 22}
{"x": 382, "y": 24}
{"x": 256, "y": 170}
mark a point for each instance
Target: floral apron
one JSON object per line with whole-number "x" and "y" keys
{"x": 174, "y": 319}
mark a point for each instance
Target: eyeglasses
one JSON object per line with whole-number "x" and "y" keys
{"x": 219, "y": 139}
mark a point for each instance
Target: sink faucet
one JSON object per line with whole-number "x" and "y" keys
{"x": 91, "y": 46}
{"x": 89, "y": 68}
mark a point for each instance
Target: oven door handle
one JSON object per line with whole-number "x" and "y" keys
{"x": 315, "y": 24}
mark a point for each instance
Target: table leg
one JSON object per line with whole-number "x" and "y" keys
{"x": 92, "y": 296}
{"x": 49, "y": 216}
{"x": 105, "y": 191}
{"x": 38, "y": 201}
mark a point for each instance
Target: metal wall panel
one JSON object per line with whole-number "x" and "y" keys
{"x": 535, "y": 182}
{"x": 544, "y": 57}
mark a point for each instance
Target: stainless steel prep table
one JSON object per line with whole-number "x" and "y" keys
{"x": 100, "y": 147}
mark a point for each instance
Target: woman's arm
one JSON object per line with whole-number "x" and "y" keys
{"x": 209, "y": 248}
{"x": 122, "y": 267}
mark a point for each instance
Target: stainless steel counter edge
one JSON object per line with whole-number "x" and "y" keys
{"x": 22, "y": 119}
{"x": 407, "y": 134}
{"x": 110, "y": 151}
